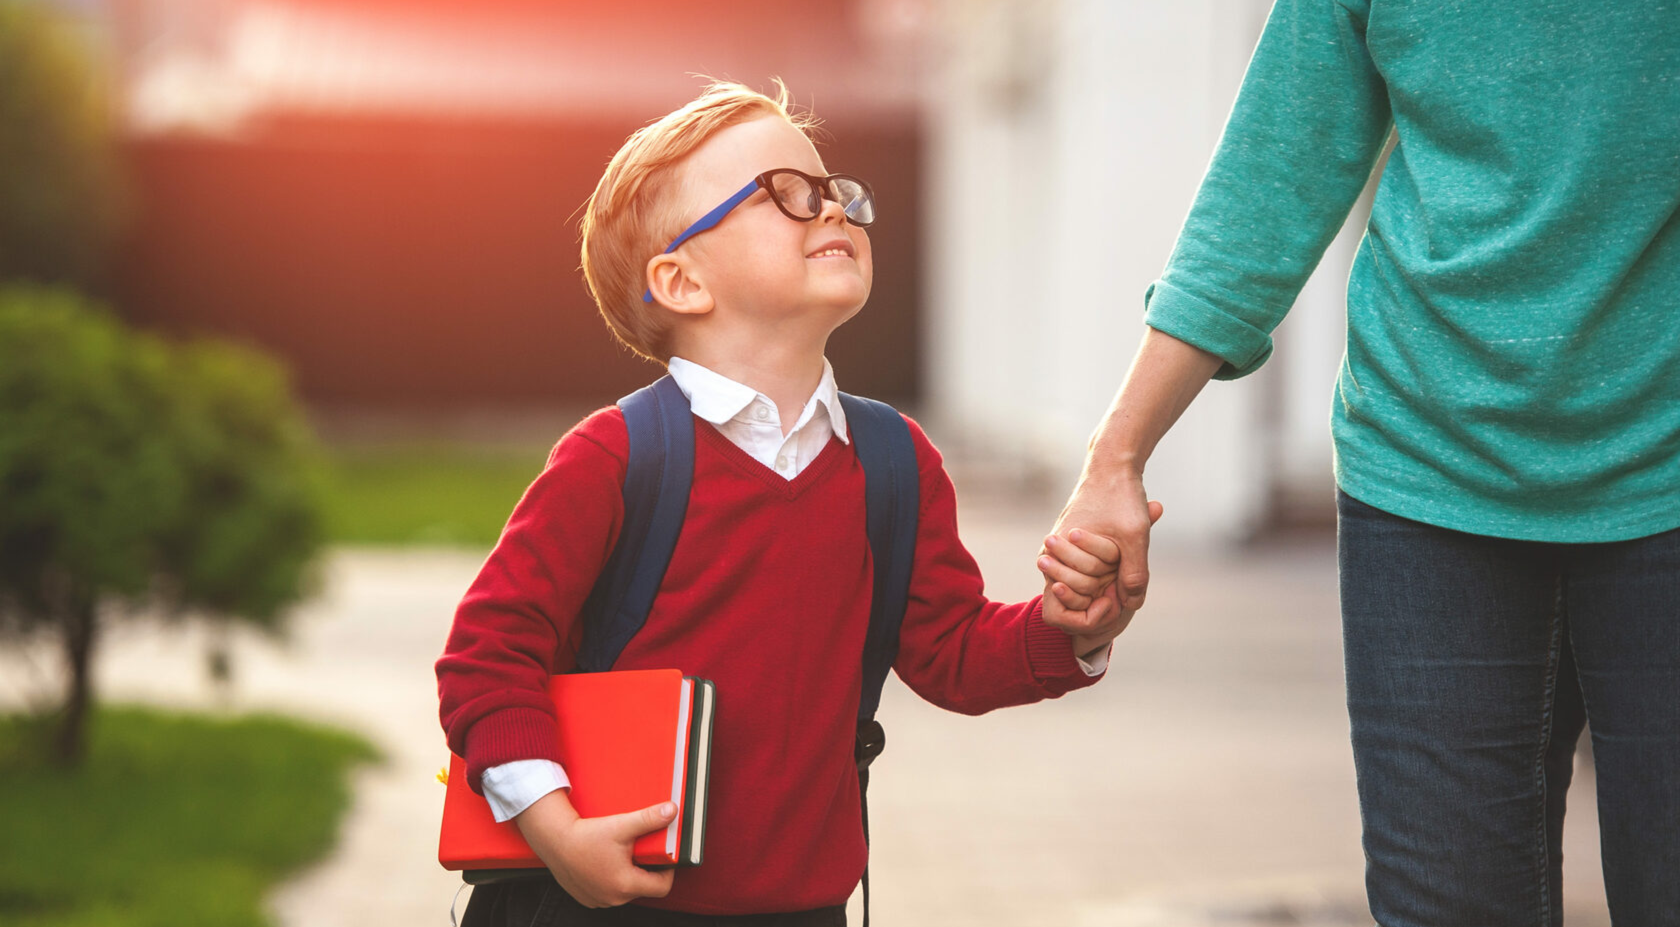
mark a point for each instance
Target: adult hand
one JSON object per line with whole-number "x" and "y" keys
{"x": 1113, "y": 506}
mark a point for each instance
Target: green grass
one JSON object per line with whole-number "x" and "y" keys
{"x": 173, "y": 819}
{"x": 427, "y": 493}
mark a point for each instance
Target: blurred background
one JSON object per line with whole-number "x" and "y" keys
{"x": 384, "y": 193}
{"x": 381, "y": 196}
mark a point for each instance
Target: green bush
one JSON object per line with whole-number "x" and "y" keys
{"x": 88, "y": 474}
{"x": 135, "y": 473}
{"x": 252, "y": 519}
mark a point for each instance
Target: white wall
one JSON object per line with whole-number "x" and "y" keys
{"x": 1066, "y": 142}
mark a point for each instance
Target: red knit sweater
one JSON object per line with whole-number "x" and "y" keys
{"x": 767, "y": 595}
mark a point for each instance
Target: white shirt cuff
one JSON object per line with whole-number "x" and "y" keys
{"x": 1096, "y": 666}
{"x": 512, "y": 787}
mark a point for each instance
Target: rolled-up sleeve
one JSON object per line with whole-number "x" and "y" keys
{"x": 1305, "y": 133}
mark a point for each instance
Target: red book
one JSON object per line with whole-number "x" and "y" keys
{"x": 628, "y": 740}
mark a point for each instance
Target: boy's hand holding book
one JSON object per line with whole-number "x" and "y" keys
{"x": 591, "y": 857}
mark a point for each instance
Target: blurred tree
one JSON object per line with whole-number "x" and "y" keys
{"x": 62, "y": 193}
{"x": 253, "y": 514}
{"x": 134, "y": 474}
{"x": 87, "y": 476}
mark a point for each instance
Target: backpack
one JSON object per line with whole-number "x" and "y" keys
{"x": 657, "y": 480}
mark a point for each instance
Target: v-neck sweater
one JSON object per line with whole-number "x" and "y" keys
{"x": 767, "y": 595}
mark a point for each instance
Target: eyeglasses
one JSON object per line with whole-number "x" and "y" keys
{"x": 798, "y": 195}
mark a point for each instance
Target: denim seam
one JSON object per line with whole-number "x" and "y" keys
{"x": 1569, "y": 629}
{"x": 1547, "y": 721}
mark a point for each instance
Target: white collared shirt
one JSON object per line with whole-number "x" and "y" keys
{"x": 751, "y": 421}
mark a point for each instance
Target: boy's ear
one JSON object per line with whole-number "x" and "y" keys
{"x": 676, "y": 285}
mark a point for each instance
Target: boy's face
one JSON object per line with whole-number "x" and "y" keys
{"x": 757, "y": 261}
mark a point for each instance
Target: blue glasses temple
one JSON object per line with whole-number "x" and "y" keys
{"x": 705, "y": 222}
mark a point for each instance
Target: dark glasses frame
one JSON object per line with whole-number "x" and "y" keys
{"x": 820, "y": 188}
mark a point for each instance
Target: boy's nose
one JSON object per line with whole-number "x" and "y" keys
{"x": 831, "y": 211}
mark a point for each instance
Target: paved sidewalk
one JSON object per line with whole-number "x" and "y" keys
{"x": 1207, "y": 781}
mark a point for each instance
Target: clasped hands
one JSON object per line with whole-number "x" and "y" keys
{"x": 1096, "y": 560}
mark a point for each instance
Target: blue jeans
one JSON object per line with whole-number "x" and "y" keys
{"x": 1472, "y": 663}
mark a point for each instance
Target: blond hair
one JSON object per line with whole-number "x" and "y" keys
{"x": 629, "y": 218}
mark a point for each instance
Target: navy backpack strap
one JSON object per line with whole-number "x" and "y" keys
{"x": 656, "y": 484}
{"x": 892, "y": 493}
{"x": 892, "y": 497}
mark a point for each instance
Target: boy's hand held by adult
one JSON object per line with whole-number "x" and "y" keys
{"x": 1087, "y": 594}
{"x": 1105, "y": 620}
{"x": 591, "y": 858}
{"x": 1084, "y": 563}
{"x": 1115, "y": 506}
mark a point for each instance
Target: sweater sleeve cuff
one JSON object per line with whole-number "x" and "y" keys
{"x": 1201, "y": 324}
{"x": 1050, "y": 656}
{"x": 509, "y": 735}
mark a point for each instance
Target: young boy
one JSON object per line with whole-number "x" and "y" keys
{"x": 768, "y": 590}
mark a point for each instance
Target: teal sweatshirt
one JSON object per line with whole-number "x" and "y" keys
{"x": 1513, "y": 354}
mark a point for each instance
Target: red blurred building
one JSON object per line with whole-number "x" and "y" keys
{"x": 385, "y": 193}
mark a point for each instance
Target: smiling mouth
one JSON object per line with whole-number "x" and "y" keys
{"x": 838, "y": 249}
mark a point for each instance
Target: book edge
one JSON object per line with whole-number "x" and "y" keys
{"x": 679, "y": 767}
{"x": 701, "y": 782}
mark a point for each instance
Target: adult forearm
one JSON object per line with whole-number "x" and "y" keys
{"x": 1165, "y": 376}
